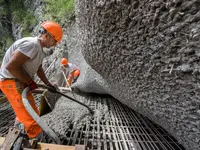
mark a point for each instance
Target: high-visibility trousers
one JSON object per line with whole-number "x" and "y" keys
{"x": 12, "y": 89}
{"x": 72, "y": 77}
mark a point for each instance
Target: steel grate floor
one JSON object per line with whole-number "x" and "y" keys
{"x": 7, "y": 116}
{"x": 123, "y": 129}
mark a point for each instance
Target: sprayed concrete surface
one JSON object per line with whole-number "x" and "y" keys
{"x": 148, "y": 52}
{"x": 143, "y": 53}
{"x": 67, "y": 114}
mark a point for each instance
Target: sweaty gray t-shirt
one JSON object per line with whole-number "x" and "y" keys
{"x": 29, "y": 46}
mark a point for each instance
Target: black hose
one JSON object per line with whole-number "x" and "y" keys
{"x": 56, "y": 91}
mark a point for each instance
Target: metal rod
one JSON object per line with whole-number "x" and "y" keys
{"x": 56, "y": 91}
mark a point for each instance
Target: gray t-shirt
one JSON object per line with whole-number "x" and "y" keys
{"x": 29, "y": 46}
{"x": 70, "y": 68}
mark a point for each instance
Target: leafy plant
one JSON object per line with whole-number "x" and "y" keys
{"x": 13, "y": 10}
{"x": 59, "y": 10}
{"x": 5, "y": 42}
{"x": 22, "y": 16}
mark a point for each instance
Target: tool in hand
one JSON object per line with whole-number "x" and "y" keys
{"x": 58, "y": 92}
{"x": 66, "y": 80}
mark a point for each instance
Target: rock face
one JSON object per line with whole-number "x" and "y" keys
{"x": 89, "y": 80}
{"x": 143, "y": 53}
{"x": 148, "y": 54}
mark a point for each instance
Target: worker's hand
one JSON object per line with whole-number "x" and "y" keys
{"x": 32, "y": 85}
{"x": 52, "y": 86}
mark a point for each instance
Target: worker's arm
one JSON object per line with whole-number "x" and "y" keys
{"x": 65, "y": 70}
{"x": 74, "y": 67}
{"x": 42, "y": 75}
{"x": 15, "y": 66}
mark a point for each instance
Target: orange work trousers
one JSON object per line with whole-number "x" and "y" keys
{"x": 12, "y": 89}
{"x": 71, "y": 77}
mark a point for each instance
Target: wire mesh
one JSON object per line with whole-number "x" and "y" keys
{"x": 121, "y": 129}
{"x": 124, "y": 129}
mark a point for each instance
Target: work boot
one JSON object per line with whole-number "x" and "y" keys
{"x": 41, "y": 137}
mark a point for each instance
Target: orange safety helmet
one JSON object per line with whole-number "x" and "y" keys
{"x": 76, "y": 73}
{"x": 54, "y": 29}
{"x": 64, "y": 61}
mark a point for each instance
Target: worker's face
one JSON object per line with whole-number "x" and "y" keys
{"x": 65, "y": 66}
{"x": 50, "y": 40}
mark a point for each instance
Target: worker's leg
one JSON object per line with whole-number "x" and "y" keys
{"x": 76, "y": 74}
{"x": 70, "y": 78}
{"x": 13, "y": 91}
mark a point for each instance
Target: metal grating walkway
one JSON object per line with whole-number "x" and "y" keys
{"x": 7, "y": 116}
{"x": 124, "y": 129}
{"x": 121, "y": 129}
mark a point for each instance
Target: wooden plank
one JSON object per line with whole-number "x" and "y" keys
{"x": 43, "y": 146}
{"x": 39, "y": 91}
{"x": 29, "y": 149}
{"x": 2, "y": 140}
{"x": 65, "y": 89}
{"x": 80, "y": 147}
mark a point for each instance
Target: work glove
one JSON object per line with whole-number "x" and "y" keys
{"x": 32, "y": 85}
{"x": 53, "y": 87}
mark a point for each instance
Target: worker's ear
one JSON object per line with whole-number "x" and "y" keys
{"x": 47, "y": 36}
{"x": 44, "y": 36}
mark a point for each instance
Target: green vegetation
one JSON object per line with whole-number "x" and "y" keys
{"x": 59, "y": 10}
{"x": 5, "y": 42}
{"x": 3, "y": 10}
{"x": 15, "y": 11}
{"x": 22, "y": 16}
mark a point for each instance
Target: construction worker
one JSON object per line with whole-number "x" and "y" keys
{"x": 70, "y": 70}
{"x": 21, "y": 62}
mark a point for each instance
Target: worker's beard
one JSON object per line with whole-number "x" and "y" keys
{"x": 48, "y": 51}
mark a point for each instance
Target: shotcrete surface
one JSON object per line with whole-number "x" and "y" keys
{"x": 143, "y": 53}
{"x": 69, "y": 114}
{"x": 148, "y": 52}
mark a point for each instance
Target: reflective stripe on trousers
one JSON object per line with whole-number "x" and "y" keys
{"x": 12, "y": 90}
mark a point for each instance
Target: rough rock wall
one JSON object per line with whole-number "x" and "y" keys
{"x": 70, "y": 47}
{"x": 89, "y": 80}
{"x": 36, "y": 7}
{"x": 148, "y": 52}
